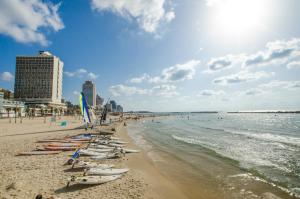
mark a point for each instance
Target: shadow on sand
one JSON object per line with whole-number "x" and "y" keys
{"x": 74, "y": 170}
{"x": 73, "y": 188}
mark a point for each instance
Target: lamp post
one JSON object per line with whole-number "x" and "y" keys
{"x": 16, "y": 113}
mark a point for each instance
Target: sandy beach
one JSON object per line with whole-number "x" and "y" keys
{"x": 27, "y": 176}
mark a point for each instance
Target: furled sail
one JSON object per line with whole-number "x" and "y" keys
{"x": 84, "y": 108}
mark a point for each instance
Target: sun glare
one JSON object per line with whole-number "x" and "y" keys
{"x": 238, "y": 17}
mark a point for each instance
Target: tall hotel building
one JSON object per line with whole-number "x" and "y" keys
{"x": 89, "y": 91}
{"x": 38, "y": 79}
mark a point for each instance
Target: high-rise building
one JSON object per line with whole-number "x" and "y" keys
{"x": 99, "y": 100}
{"x": 38, "y": 79}
{"x": 108, "y": 107}
{"x": 89, "y": 91}
{"x": 113, "y": 105}
{"x": 119, "y": 108}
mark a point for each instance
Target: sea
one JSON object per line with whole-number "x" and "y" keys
{"x": 237, "y": 155}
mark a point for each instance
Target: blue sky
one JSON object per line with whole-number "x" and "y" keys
{"x": 163, "y": 55}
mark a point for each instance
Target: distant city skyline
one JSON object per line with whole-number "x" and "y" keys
{"x": 165, "y": 55}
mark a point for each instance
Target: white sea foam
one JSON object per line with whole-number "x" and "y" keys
{"x": 270, "y": 137}
{"x": 294, "y": 191}
{"x": 243, "y": 153}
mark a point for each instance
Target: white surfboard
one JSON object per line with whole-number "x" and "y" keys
{"x": 117, "y": 142}
{"x": 131, "y": 151}
{"x": 83, "y": 164}
{"x": 104, "y": 156}
{"x": 115, "y": 145}
{"x": 90, "y": 153}
{"x": 92, "y": 180}
{"x": 100, "y": 150}
{"x": 102, "y": 146}
{"x": 105, "y": 172}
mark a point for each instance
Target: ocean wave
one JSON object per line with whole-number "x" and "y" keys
{"x": 250, "y": 133}
{"x": 269, "y": 137}
{"x": 293, "y": 191}
{"x": 185, "y": 139}
{"x": 242, "y": 154}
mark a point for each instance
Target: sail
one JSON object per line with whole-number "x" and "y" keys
{"x": 94, "y": 118}
{"x": 84, "y": 109}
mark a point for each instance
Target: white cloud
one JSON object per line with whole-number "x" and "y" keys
{"x": 69, "y": 74}
{"x": 81, "y": 73}
{"x": 253, "y": 91}
{"x": 277, "y": 84}
{"x": 23, "y": 20}
{"x": 75, "y": 93}
{"x": 209, "y": 93}
{"x": 278, "y": 52}
{"x": 93, "y": 75}
{"x": 140, "y": 79}
{"x": 294, "y": 64}
{"x": 179, "y": 72}
{"x": 149, "y": 14}
{"x": 176, "y": 73}
{"x": 120, "y": 89}
{"x": 165, "y": 90}
{"x": 6, "y": 76}
{"x": 243, "y": 76}
{"x": 221, "y": 63}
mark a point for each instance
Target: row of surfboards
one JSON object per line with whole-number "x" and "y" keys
{"x": 97, "y": 147}
{"x": 94, "y": 172}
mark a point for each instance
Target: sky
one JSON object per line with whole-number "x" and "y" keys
{"x": 163, "y": 55}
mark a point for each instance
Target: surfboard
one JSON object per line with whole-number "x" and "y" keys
{"x": 91, "y": 153}
{"x": 92, "y": 180}
{"x": 105, "y": 172}
{"x": 100, "y": 150}
{"x": 115, "y": 145}
{"x": 101, "y": 146}
{"x": 83, "y": 164}
{"x": 106, "y": 156}
{"x": 55, "y": 144}
{"x": 117, "y": 142}
{"x": 131, "y": 151}
{"x": 62, "y": 148}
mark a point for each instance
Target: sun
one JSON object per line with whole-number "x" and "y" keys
{"x": 238, "y": 17}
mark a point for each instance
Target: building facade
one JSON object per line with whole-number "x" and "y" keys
{"x": 11, "y": 108}
{"x": 119, "y": 108}
{"x": 38, "y": 81}
{"x": 108, "y": 107}
{"x": 113, "y": 105}
{"x": 89, "y": 91}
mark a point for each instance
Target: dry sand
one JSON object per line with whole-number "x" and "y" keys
{"x": 26, "y": 176}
